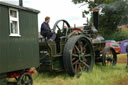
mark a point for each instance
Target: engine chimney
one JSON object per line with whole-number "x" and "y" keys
{"x": 20, "y": 2}
{"x": 96, "y": 17}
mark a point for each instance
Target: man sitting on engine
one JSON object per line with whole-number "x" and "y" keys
{"x": 46, "y": 31}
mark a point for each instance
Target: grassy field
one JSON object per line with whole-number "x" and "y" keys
{"x": 109, "y": 75}
{"x": 100, "y": 76}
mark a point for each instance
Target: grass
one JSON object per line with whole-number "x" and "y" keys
{"x": 100, "y": 76}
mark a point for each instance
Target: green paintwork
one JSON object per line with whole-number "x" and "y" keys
{"x": 57, "y": 63}
{"x": 17, "y": 53}
{"x": 55, "y": 59}
{"x": 52, "y": 45}
{"x": 3, "y": 81}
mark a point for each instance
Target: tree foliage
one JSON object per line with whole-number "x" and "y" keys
{"x": 113, "y": 14}
{"x": 118, "y": 36}
{"x": 93, "y": 3}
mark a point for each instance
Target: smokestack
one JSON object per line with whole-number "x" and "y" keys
{"x": 20, "y": 2}
{"x": 96, "y": 17}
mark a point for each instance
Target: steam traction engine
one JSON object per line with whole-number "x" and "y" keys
{"x": 75, "y": 49}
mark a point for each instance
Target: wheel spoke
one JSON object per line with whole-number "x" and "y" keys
{"x": 77, "y": 48}
{"x": 84, "y": 51}
{"x": 80, "y": 67}
{"x": 80, "y": 46}
{"x": 25, "y": 78}
{"x": 85, "y": 64}
{"x": 74, "y": 51}
{"x": 58, "y": 27}
{"x": 86, "y": 55}
{"x": 73, "y": 58}
{"x": 76, "y": 62}
{"x": 63, "y": 25}
{"x": 84, "y": 47}
{"x": 75, "y": 55}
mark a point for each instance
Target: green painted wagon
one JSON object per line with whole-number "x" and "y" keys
{"x": 76, "y": 48}
{"x": 19, "y": 47}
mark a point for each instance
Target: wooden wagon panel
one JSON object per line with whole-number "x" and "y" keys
{"x": 17, "y": 53}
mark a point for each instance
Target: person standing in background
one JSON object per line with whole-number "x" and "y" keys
{"x": 127, "y": 55}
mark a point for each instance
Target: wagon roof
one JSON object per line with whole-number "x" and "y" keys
{"x": 19, "y": 7}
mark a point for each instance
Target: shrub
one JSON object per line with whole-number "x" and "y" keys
{"x": 118, "y": 36}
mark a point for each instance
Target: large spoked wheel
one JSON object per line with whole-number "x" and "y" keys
{"x": 61, "y": 27}
{"x": 109, "y": 56}
{"x": 78, "y": 55}
{"x": 25, "y": 79}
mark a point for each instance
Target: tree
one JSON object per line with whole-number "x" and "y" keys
{"x": 93, "y": 3}
{"x": 113, "y": 14}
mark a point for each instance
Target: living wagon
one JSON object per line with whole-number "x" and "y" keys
{"x": 19, "y": 50}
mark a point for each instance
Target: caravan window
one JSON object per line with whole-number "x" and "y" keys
{"x": 14, "y": 22}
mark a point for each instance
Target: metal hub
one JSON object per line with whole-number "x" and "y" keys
{"x": 81, "y": 56}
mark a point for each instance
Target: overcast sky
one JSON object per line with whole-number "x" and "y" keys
{"x": 56, "y": 9}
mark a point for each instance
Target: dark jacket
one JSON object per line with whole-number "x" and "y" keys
{"x": 45, "y": 30}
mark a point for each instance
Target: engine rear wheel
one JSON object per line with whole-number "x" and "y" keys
{"x": 78, "y": 55}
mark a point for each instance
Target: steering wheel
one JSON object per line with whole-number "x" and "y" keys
{"x": 61, "y": 28}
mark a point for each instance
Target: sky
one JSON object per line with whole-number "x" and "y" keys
{"x": 56, "y": 9}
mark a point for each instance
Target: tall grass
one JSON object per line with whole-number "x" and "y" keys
{"x": 100, "y": 76}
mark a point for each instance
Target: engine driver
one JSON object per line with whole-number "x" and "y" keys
{"x": 46, "y": 30}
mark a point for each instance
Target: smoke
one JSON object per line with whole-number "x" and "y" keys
{"x": 118, "y": 9}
